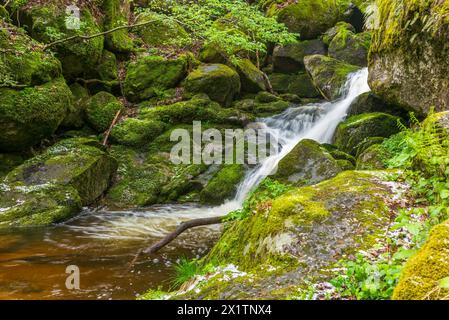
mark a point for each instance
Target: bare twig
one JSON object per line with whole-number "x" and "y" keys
{"x": 108, "y": 132}
{"x": 88, "y": 37}
{"x": 181, "y": 228}
{"x": 268, "y": 83}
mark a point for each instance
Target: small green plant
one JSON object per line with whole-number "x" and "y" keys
{"x": 185, "y": 270}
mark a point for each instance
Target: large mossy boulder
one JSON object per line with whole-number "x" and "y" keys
{"x": 353, "y": 132}
{"x": 34, "y": 98}
{"x": 46, "y": 22}
{"x": 53, "y": 186}
{"x": 116, "y": 14}
{"x": 223, "y": 184}
{"x": 218, "y": 81}
{"x": 22, "y": 60}
{"x": 29, "y": 115}
{"x": 145, "y": 179}
{"x": 252, "y": 79}
{"x": 9, "y": 161}
{"x": 299, "y": 84}
{"x": 424, "y": 276}
{"x": 150, "y": 76}
{"x": 350, "y": 47}
{"x": 373, "y": 158}
{"x": 162, "y": 31}
{"x": 101, "y": 110}
{"x": 341, "y": 26}
{"x": 308, "y": 163}
{"x": 369, "y": 102}
{"x": 310, "y": 18}
{"x": 199, "y": 108}
{"x": 293, "y": 240}
{"x": 137, "y": 132}
{"x": 408, "y": 61}
{"x": 328, "y": 74}
{"x": 290, "y": 58}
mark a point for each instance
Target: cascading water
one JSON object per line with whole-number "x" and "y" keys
{"x": 103, "y": 243}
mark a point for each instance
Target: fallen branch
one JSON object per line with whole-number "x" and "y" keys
{"x": 108, "y": 132}
{"x": 83, "y": 37}
{"x": 268, "y": 83}
{"x": 183, "y": 227}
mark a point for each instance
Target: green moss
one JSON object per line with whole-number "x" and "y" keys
{"x": 329, "y": 75}
{"x": 101, "y": 110}
{"x": 223, "y": 184}
{"x": 252, "y": 79}
{"x": 271, "y": 233}
{"x": 199, "y": 108}
{"x": 79, "y": 162}
{"x": 27, "y": 116}
{"x": 340, "y": 27}
{"x": 116, "y": 14}
{"x": 136, "y": 133}
{"x": 350, "y": 47}
{"x": 39, "y": 206}
{"x": 373, "y": 158}
{"x": 8, "y": 161}
{"x": 107, "y": 67}
{"x": 311, "y": 18}
{"x": 161, "y": 32}
{"x": 47, "y": 24}
{"x": 352, "y": 132}
{"x": 151, "y": 74}
{"x": 300, "y": 84}
{"x": 307, "y": 163}
{"x": 421, "y": 275}
{"x": 75, "y": 115}
{"x": 219, "y": 82}
{"x": 340, "y": 155}
{"x": 290, "y": 58}
{"x": 22, "y": 60}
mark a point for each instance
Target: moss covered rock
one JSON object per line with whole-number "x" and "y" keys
{"x": 350, "y": 47}
{"x": 294, "y": 239}
{"x": 116, "y": 14}
{"x": 199, "y": 108}
{"x": 47, "y": 22}
{"x": 8, "y": 161}
{"x": 223, "y": 184}
{"x": 311, "y": 18}
{"x": 298, "y": 84}
{"x": 290, "y": 58}
{"x": 75, "y": 115}
{"x": 39, "y": 205}
{"x": 352, "y": 132}
{"x": 252, "y": 79}
{"x": 101, "y": 110}
{"x": 373, "y": 158}
{"x": 329, "y": 75}
{"x": 341, "y": 26}
{"x": 308, "y": 163}
{"x": 148, "y": 178}
{"x": 79, "y": 162}
{"x": 162, "y": 31}
{"x": 151, "y": 75}
{"x": 424, "y": 277}
{"x": 22, "y": 60}
{"x": 53, "y": 186}
{"x": 408, "y": 61}
{"x": 29, "y": 115}
{"x": 136, "y": 132}
{"x": 369, "y": 102}
{"x": 218, "y": 81}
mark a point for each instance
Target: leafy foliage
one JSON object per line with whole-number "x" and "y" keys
{"x": 232, "y": 27}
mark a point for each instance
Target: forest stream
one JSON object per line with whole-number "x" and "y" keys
{"x": 105, "y": 244}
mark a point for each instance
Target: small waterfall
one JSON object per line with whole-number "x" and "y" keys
{"x": 315, "y": 121}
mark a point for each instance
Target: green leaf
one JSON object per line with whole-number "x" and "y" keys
{"x": 444, "y": 283}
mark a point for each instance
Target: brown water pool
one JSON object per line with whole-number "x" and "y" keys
{"x": 103, "y": 244}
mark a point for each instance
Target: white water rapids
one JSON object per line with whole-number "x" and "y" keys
{"x": 313, "y": 121}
